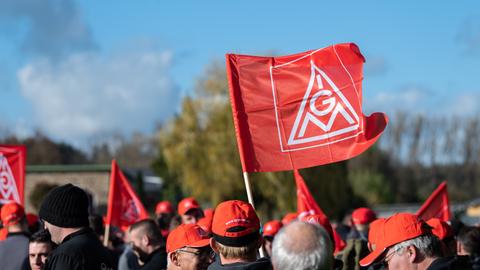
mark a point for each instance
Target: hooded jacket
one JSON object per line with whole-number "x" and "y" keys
{"x": 260, "y": 264}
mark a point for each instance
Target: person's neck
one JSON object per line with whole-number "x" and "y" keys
{"x": 67, "y": 231}
{"x": 426, "y": 263}
{"x": 237, "y": 260}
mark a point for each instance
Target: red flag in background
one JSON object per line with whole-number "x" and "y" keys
{"x": 124, "y": 206}
{"x": 303, "y": 110}
{"x": 307, "y": 206}
{"x": 12, "y": 173}
{"x": 437, "y": 205}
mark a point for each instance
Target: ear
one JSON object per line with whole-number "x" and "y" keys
{"x": 412, "y": 253}
{"x": 145, "y": 240}
{"x": 213, "y": 245}
{"x": 173, "y": 257}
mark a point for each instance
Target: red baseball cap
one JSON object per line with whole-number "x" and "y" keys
{"x": 289, "y": 217}
{"x": 32, "y": 219}
{"x": 12, "y": 213}
{"x": 375, "y": 232}
{"x": 164, "y": 207}
{"x": 396, "y": 229}
{"x": 186, "y": 205}
{"x": 235, "y": 223}
{"x": 363, "y": 216}
{"x": 271, "y": 228}
{"x": 187, "y": 235}
{"x": 206, "y": 222}
{"x": 440, "y": 228}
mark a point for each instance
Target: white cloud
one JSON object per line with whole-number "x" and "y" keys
{"x": 87, "y": 93}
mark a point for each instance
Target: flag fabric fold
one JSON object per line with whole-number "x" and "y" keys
{"x": 437, "y": 205}
{"x": 307, "y": 206}
{"x": 303, "y": 110}
{"x": 12, "y": 173}
{"x": 124, "y": 206}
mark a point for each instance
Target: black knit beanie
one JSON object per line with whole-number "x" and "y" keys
{"x": 65, "y": 206}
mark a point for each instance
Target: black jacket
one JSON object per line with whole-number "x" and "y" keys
{"x": 156, "y": 261}
{"x": 260, "y": 264}
{"x": 454, "y": 263}
{"x": 80, "y": 251}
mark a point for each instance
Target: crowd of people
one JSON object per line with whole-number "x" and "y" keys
{"x": 65, "y": 236}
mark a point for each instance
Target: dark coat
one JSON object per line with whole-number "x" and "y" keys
{"x": 454, "y": 263}
{"x": 156, "y": 261}
{"x": 80, "y": 250}
{"x": 260, "y": 264}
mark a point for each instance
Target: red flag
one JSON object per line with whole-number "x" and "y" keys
{"x": 12, "y": 173}
{"x": 437, "y": 205}
{"x": 124, "y": 206}
{"x": 303, "y": 110}
{"x": 307, "y": 206}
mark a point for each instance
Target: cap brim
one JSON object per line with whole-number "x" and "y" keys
{"x": 372, "y": 257}
{"x": 200, "y": 243}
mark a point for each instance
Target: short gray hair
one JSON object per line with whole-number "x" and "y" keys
{"x": 302, "y": 246}
{"x": 428, "y": 245}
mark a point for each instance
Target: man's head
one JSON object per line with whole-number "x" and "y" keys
{"x": 468, "y": 241}
{"x": 188, "y": 248}
{"x": 362, "y": 217}
{"x": 236, "y": 231}
{"x": 190, "y": 211}
{"x": 405, "y": 242}
{"x": 13, "y": 217}
{"x": 39, "y": 248}
{"x": 270, "y": 229}
{"x": 301, "y": 245}
{"x": 64, "y": 207}
{"x": 145, "y": 238}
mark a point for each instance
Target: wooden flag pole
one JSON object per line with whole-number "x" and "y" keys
{"x": 106, "y": 235}
{"x": 248, "y": 188}
{"x": 250, "y": 200}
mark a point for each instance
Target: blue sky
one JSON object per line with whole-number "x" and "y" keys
{"x": 81, "y": 69}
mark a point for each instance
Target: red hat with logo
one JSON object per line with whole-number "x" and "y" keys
{"x": 235, "y": 223}
{"x": 363, "y": 216}
{"x": 164, "y": 207}
{"x": 396, "y": 229}
{"x": 271, "y": 228}
{"x": 187, "y": 235}
{"x": 12, "y": 213}
{"x": 289, "y": 217}
{"x": 440, "y": 228}
{"x": 186, "y": 205}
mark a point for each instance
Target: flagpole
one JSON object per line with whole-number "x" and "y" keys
{"x": 250, "y": 200}
{"x": 248, "y": 188}
{"x": 106, "y": 235}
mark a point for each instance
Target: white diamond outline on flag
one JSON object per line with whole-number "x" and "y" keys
{"x": 357, "y": 126}
{"x": 10, "y": 187}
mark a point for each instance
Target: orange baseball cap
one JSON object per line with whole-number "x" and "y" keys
{"x": 206, "y": 222}
{"x": 186, "y": 205}
{"x": 289, "y": 217}
{"x": 271, "y": 228}
{"x": 375, "y": 232}
{"x": 235, "y": 223}
{"x": 164, "y": 207}
{"x": 12, "y": 213}
{"x": 363, "y": 216}
{"x": 187, "y": 235}
{"x": 396, "y": 229}
{"x": 440, "y": 228}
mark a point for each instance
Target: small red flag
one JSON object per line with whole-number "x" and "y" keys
{"x": 437, "y": 205}
{"x": 303, "y": 110}
{"x": 12, "y": 173}
{"x": 306, "y": 206}
{"x": 124, "y": 206}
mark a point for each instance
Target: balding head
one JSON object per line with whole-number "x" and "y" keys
{"x": 301, "y": 245}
